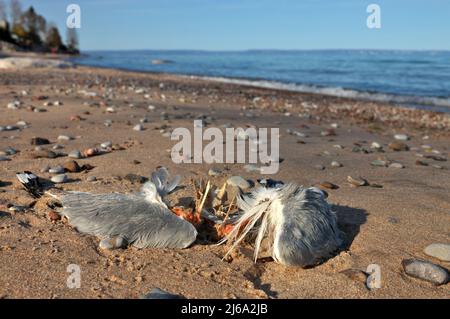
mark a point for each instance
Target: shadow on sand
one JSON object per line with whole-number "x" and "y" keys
{"x": 349, "y": 222}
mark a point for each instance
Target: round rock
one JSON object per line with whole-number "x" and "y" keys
{"x": 58, "y": 179}
{"x": 439, "y": 251}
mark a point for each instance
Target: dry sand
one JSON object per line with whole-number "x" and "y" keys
{"x": 382, "y": 225}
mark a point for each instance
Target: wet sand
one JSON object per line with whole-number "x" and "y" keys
{"x": 382, "y": 225}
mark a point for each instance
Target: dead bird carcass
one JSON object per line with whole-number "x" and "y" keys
{"x": 298, "y": 222}
{"x": 142, "y": 220}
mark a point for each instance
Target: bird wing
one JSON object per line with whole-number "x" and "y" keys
{"x": 161, "y": 180}
{"x": 142, "y": 223}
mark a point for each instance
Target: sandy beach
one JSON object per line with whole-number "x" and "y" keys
{"x": 400, "y": 212}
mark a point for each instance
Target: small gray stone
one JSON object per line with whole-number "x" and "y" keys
{"x": 319, "y": 167}
{"x": 157, "y": 293}
{"x": 439, "y": 251}
{"x": 10, "y": 151}
{"x": 75, "y": 154}
{"x": 113, "y": 243}
{"x": 396, "y": 165}
{"x": 138, "y": 127}
{"x": 64, "y": 138}
{"x": 59, "y": 179}
{"x": 106, "y": 144}
{"x": 4, "y": 159}
{"x": 91, "y": 179}
{"x": 401, "y": 137}
{"x": 425, "y": 270}
{"x": 239, "y": 182}
{"x": 56, "y": 170}
{"x": 379, "y": 163}
{"x": 336, "y": 164}
{"x": 57, "y": 147}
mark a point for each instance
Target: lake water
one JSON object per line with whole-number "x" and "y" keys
{"x": 414, "y": 78}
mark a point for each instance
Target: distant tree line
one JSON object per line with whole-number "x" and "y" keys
{"x": 31, "y": 32}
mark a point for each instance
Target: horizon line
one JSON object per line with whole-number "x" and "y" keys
{"x": 280, "y": 50}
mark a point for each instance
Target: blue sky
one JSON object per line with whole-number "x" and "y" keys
{"x": 254, "y": 24}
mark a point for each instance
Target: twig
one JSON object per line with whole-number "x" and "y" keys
{"x": 205, "y": 194}
{"x": 228, "y": 213}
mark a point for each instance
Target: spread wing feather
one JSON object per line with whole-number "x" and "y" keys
{"x": 142, "y": 223}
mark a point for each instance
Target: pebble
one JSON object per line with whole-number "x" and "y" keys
{"x": 58, "y": 179}
{"x": 439, "y": 251}
{"x": 238, "y": 181}
{"x": 72, "y": 167}
{"x": 22, "y": 123}
{"x": 157, "y": 293}
{"x": 106, "y": 144}
{"x": 138, "y": 127}
{"x": 113, "y": 243}
{"x": 44, "y": 154}
{"x": 425, "y": 270}
{"x": 376, "y": 146}
{"x": 91, "y": 152}
{"x": 436, "y": 158}
{"x": 328, "y": 185}
{"x": 396, "y": 165}
{"x": 64, "y": 138}
{"x": 329, "y": 132}
{"x": 214, "y": 172}
{"x": 398, "y": 146}
{"x": 91, "y": 179}
{"x": 75, "y": 154}
{"x": 57, "y": 147}
{"x": 110, "y": 109}
{"x": 39, "y": 141}
{"x": 107, "y": 123}
{"x": 319, "y": 167}
{"x": 401, "y": 137}
{"x": 54, "y": 216}
{"x": 56, "y": 170}
{"x": 151, "y": 107}
{"x": 379, "y": 163}
{"x": 4, "y": 159}
{"x": 357, "y": 182}
{"x": 10, "y": 151}
{"x": 336, "y": 164}
{"x": 13, "y": 105}
{"x": 421, "y": 163}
